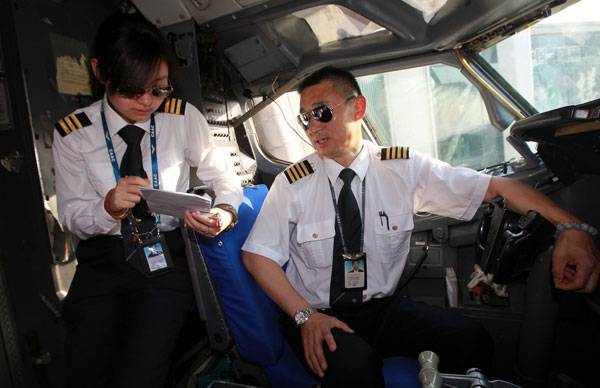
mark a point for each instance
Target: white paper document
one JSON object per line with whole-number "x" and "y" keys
{"x": 174, "y": 203}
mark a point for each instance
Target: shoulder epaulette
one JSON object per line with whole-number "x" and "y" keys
{"x": 298, "y": 170}
{"x": 72, "y": 123}
{"x": 394, "y": 153}
{"x": 173, "y": 105}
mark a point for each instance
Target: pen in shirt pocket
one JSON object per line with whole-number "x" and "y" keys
{"x": 382, "y": 214}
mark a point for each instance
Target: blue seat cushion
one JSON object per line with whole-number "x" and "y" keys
{"x": 401, "y": 372}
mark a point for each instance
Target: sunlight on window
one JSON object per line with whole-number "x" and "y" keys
{"x": 332, "y": 22}
{"x": 557, "y": 61}
{"x": 434, "y": 110}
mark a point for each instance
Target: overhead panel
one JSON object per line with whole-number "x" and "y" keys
{"x": 163, "y": 13}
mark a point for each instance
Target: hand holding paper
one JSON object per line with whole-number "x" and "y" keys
{"x": 174, "y": 203}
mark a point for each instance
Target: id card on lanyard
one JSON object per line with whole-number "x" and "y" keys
{"x": 355, "y": 271}
{"x": 150, "y": 255}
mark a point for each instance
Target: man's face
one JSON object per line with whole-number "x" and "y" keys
{"x": 340, "y": 138}
{"x": 355, "y": 265}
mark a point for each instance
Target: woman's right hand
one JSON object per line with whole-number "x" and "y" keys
{"x": 127, "y": 193}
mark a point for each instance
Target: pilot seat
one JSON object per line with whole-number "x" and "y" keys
{"x": 243, "y": 324}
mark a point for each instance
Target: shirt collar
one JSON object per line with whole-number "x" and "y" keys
{"x": 360, "y": 165}
{"x": 116, "y": 122}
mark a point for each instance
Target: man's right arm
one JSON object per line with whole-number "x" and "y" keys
{"x": 271, "y": 278}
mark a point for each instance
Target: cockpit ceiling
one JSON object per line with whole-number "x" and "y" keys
{"x": 203, "y": 11}
{"x": 295, "y": 37}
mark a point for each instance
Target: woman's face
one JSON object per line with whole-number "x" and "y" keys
{"x": 134, "y": 109}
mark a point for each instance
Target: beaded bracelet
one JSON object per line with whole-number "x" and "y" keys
{"x": 577, "y": 226}
{"x": 114, "y": 214}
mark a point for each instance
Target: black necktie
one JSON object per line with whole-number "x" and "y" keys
{"x": 132, "y": 165}
{"x": 351, "y": 226}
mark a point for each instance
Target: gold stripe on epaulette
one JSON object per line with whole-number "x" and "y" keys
{"x": 174, "y": 106}
{"x": 298, "y": 171}
{"x": 71, "y": 123}
{"x": 76, "y": 121}
{"x": 63, "y": 126}
{"x": 394, "y": 153}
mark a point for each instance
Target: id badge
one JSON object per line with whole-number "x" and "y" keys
{"x": 152, "y": 257}
{"x": 355, "y": 271}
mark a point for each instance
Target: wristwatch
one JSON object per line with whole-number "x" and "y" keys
{"x": 234, "y": 216}
{"x": 301, "y": 316}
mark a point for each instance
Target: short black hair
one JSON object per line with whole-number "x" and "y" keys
{"x": 129, "y": 49}
{"x": 344, "y": 82}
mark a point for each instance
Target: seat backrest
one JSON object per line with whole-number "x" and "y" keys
{"x": 251, "y": 316}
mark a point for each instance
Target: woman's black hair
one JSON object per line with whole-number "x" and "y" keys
{"x": 129, "y": 50}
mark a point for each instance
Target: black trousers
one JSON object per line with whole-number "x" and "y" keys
{"x": 121, "y": 326}
{"x": 397, "y": 326}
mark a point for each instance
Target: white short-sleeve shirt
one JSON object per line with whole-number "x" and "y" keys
{"x": 297, "y": 220}
{"x": 84, "y": 173}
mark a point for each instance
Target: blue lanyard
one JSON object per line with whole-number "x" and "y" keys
{"x": 339, "y": 220}
{"x": 113, "y": 158}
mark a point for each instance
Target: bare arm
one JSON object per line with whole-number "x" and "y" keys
{"x": 521, "y": 198}
{"x": 271, "y": 278}
{"x": 575, "y": 260}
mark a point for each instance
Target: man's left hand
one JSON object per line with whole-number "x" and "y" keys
{"x": 575, "y": 262}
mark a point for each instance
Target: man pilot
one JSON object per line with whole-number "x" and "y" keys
{"x": 326, "y": 210}
{"x": 355, "y": 267}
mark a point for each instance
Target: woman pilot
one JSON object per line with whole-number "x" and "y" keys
{"x": 125, "y": 307}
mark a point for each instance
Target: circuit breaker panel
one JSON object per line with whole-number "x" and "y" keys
{"x": 200, "y": 80}
{"x": 218, "y": 113}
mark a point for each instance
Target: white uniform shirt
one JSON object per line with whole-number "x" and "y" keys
{"x": 84, "y": 173}
{"x": 297, "y": 220}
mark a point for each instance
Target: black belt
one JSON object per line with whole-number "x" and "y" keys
{"x": 363, "y": 308}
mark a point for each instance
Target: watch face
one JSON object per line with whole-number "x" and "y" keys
{"x": 302, "y": 316}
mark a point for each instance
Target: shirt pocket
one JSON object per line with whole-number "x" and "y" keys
{"x": 315, "y": 242}
{"x": 101, "y": 176}
{"x": 393, "y": 242}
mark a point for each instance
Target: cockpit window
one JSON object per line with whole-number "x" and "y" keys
{"x": 280, "y": 135}
{"x": 331, "y": 23}
{"x": 557, "y": 61}
{"x": 435, "y": 110}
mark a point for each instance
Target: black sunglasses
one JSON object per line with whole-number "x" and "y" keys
{"x": 134, "y": 92}
{"x": 321, "y": 113}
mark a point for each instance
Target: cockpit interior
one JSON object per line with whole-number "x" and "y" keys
{"x": 508, "y": 88}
